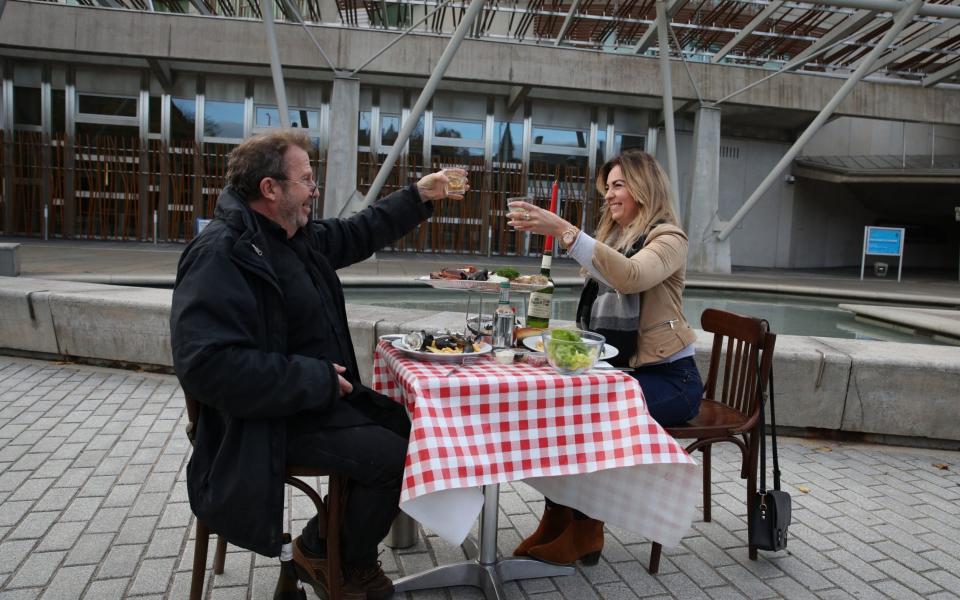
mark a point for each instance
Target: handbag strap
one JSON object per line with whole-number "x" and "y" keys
{"x": 763, "y": 427}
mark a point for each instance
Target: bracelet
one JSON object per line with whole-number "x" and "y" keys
{"x": 569, "y": 236}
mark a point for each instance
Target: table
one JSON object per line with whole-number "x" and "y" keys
{"x": 585, "y": 441}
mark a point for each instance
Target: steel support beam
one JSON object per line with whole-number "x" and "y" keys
{"x": 200, "y": 6}
{"x": 566, "y": 22}
{"x": 665, "y": 79}
{"x": 839, "y": 31}
{"x": 393, "y": 41}
{"x": 915, "y": 43}
{"x": 948, "y": 71}
{"x": 762, "y": 16}
{"x": 266, "y": 8}
{"x": 424, "y": 99}
{"x": 647, "y": 38}
{"x": 944, "y": 11}
{"x": 899, "y": 22}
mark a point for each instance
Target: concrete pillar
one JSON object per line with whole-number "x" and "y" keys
{"x": 340, "y": 187}
{"x": 706, "y": 254}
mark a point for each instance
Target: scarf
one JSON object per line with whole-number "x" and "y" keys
{"x": 613, "y": 315}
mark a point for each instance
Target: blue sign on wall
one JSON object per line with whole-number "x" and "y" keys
{"x": 887, "y": 241}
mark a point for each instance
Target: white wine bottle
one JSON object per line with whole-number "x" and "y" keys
{"x": 540, "y": 308}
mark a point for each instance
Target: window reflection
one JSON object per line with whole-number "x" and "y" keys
{"x": 183, "y": 118}
{"x": 58, "y": 111}
{"x": 454, "y": 152}
{"x": 416, "y": 138}
{"x": 223, "y": 119}
{"x": 269, "y": 116}
{"x": 464, "y": 130}
{"x": 550, "y": 136}
{"x": 389, "y": 129}
{"x": 155, "y": 112}
{"x": 508, "y": 142}
{"x": 107, "y": 105}
{"x": 363, "y": 129}
{"x": 626, "y": 141}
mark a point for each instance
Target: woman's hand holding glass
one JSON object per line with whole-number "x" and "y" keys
{"x": 524, "y": 216}
{"x": 436, "y": 186}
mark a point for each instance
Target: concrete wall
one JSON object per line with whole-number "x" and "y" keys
{"x": 871, "y": 137}
{"x": 827, "y": 223}
{"x": 844, "y": 385}
{"x": 128, "y": 37}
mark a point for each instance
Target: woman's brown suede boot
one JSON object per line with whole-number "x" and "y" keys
{"x": 554, "y": 521}
{"x": 582, "y": 540}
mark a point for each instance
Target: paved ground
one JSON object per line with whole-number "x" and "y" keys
{"x": 93, "y": 505}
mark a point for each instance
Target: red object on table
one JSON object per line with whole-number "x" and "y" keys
{"x": 548, "y": 242}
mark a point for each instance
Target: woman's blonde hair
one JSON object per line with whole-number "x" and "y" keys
{"x": 649, "y": 187}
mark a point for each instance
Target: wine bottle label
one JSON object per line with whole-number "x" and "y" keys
{"x": 540, "y": 305}
{"x": 546, "y": 262}
{"x": 286, "y": 552}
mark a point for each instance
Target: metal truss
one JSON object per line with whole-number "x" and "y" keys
{"x": 772, "y": 34}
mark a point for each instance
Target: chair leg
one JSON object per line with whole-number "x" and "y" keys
{"x": 706, "y": 482}
{"x": 337, "y": 498}
{"x": 654, "y": 567}
{"x": 751, "y": 492}
{"x": 220, "y": 556}
{"x": 199, "y": 561}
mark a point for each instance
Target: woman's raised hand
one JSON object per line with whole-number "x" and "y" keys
{"x": 530, "y": 217}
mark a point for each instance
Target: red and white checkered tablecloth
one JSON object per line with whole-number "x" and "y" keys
{"x": 586, "y": 441}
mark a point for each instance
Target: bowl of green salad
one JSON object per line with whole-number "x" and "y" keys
{"x": 572, "y": 351}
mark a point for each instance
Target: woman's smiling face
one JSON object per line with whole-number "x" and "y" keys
{"x": 623, "y": 208}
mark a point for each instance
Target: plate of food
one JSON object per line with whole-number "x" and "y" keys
{"x": 472, "y": 278}
{"x": 535, "y": 343}
{"x": 446, "y": 348}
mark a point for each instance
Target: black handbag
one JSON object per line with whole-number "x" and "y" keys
{"x": 770, "y": 509}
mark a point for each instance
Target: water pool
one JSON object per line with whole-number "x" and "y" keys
{"x": 792, "y": 315}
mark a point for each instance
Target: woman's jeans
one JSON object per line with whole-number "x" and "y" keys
{"x": 672, "y": 390}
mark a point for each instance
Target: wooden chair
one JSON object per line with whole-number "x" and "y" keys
{"x": 330, "y": 514}
{"x": 730, "y": 410}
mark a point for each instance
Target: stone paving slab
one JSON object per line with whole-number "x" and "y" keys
{"x": 93, "y": 505}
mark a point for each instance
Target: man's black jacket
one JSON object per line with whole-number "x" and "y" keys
{"x": 228, "y": 334}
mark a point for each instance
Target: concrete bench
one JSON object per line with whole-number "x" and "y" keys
{"x": 9, "y": 259}
{"x": 877, "y": 388}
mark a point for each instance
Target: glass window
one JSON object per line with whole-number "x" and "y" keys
{"x": 89, "y": 131}
{"x": 626, "y": 141}
{"x": 107, "y": 105}
{"x": 508, "y": 142}
{"x": 416, "y": 138}
{"x": 223, "y": 119}
{"x": 26, "y": 106}
{"x": 58, "y": 111}
{"x": 155, "y": 112}
{"x": 601, "y": 145}
{"x": 389, "y": 129}
{"x": 363, "y": 130}
{"x": 269, "y": 116}
{"x": 455, "y": 152}
{"x": 554, "y": 164}
{"x": 550, "y": 136}
{"x": 183, "y": 118}
{"x": 464, "y": 130}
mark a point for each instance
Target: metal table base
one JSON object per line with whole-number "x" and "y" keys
{"x": 486, "y": 572}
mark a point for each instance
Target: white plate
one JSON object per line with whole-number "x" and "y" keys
{"x": 441, "y": 357}
{"x": 535, "y": 343}
{"x": 486, "y": 287}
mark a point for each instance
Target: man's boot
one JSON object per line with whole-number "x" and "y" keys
{"x": 372, "y": 580}
{"x": 582, "y": 540}
{"x": 312, "y": 570}
{"x": 554, "y": 521}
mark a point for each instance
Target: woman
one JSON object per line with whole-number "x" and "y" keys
{"x": 635, "y": 271}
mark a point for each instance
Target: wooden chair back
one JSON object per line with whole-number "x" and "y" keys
{"x": 740, "y": 361}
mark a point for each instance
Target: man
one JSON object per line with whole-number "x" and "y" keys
{"x": 260, "y": 340}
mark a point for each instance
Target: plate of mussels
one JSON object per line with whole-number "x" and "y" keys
{"x": 441, "y": 347}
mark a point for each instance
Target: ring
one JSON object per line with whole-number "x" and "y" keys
{"x": 526, "y": 216}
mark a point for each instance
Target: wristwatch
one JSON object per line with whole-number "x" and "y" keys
{"x": 569, "y": 236}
